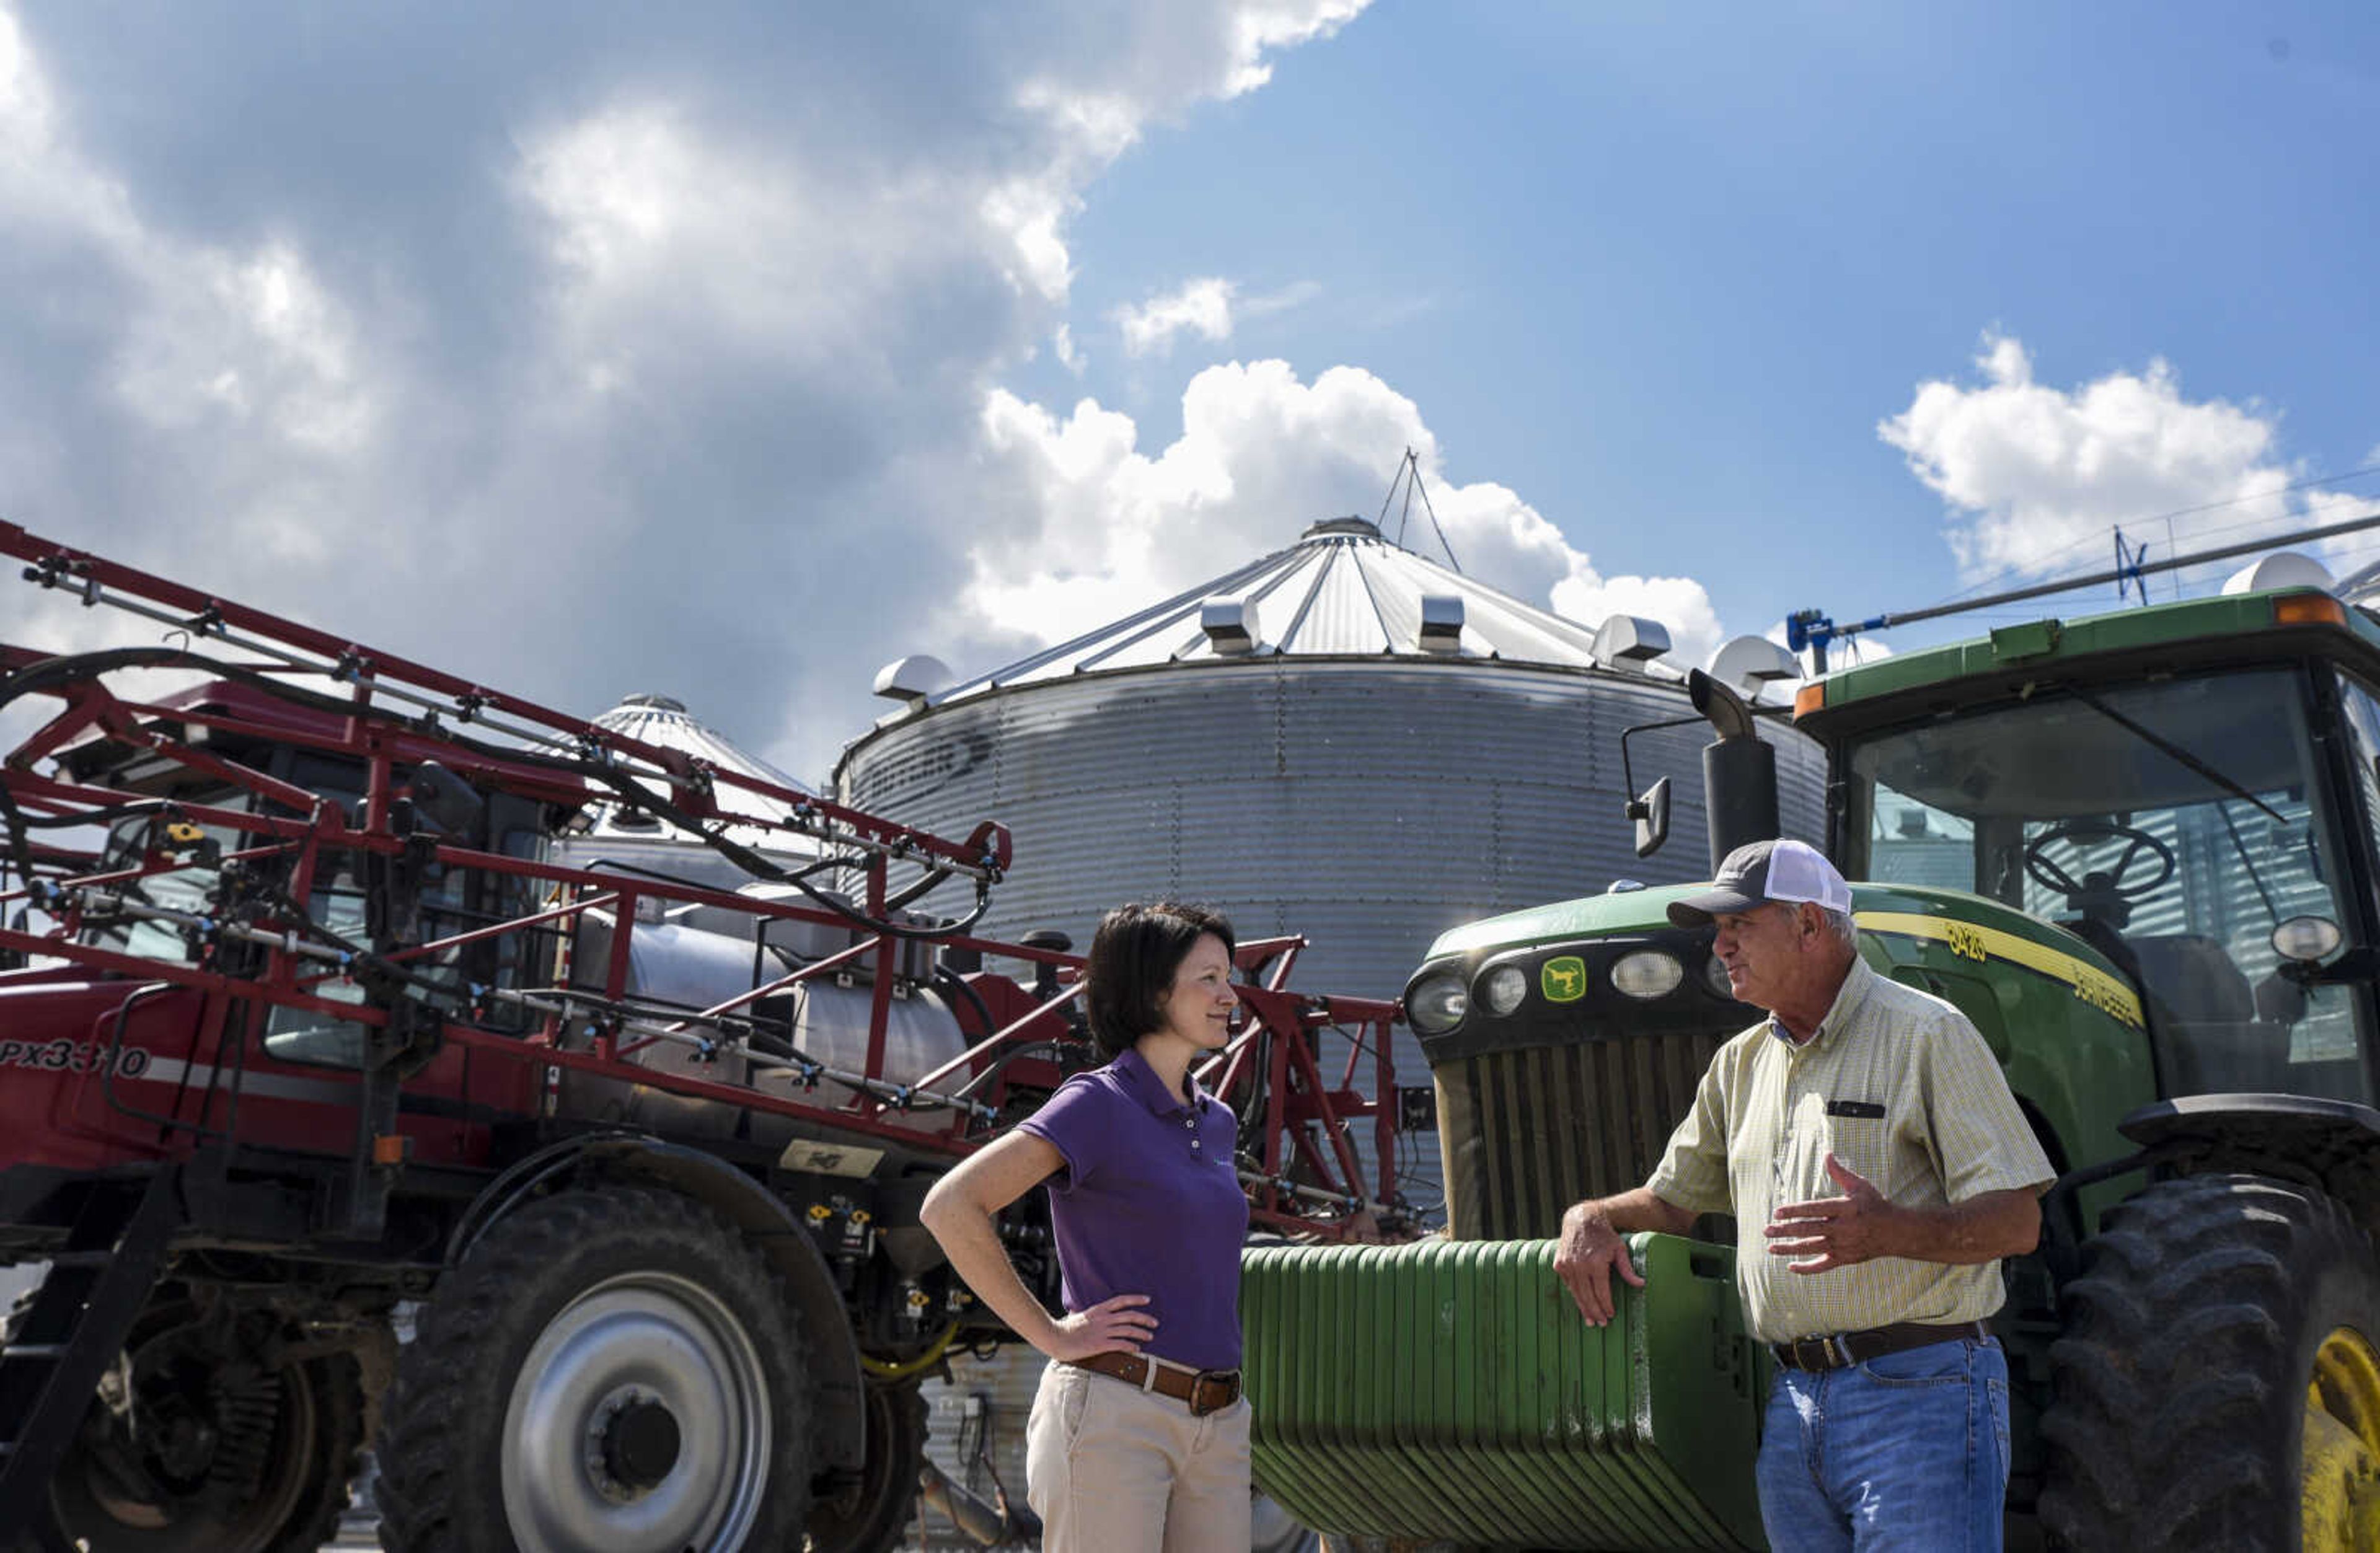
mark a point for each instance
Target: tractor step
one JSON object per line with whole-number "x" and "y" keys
{"x": 72, "y": 1330}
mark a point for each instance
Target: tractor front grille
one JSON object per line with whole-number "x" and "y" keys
{"x": 1525, "y": 1132}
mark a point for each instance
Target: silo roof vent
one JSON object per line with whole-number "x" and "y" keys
{"x": 1629, "y": 642}
{"x": 1361, "y": 529}
{"x": 1231, "y": 625}
{"x": 1440, "y": 629}
{"x": 1749, "y": 663}
{"x": 912, "y": 678}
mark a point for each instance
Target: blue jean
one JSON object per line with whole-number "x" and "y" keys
{"x": 1907, "y": 1451}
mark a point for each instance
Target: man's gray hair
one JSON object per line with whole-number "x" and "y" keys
{"x": 1840, "y": 925}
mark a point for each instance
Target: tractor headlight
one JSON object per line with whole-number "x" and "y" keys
{"x": 1502, "y": 989}
{"x": 1438, "y": 1003}
{"x": 1647, "y": 973}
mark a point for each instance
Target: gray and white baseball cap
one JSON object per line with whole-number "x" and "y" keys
{"x": 1758, "y": 871}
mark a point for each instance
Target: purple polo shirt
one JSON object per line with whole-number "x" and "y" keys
{"x": 1138, "y": 1210}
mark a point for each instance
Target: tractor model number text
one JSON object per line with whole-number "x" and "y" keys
{"x": 68, "y": 1056}
{"x": 1965, "y": 942}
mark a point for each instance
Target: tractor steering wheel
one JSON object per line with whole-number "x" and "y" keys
{"x": 2100, "y": 888}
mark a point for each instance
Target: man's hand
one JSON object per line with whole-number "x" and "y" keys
{"x": 1590, "y": 1250}
{"x": 1112, "y": 1326}
{"x": 1830, "y": 1233}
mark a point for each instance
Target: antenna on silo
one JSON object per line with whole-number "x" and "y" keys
{"x": 1408, "y": 476}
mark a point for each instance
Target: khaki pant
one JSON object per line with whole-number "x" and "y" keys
{"x": 1112, "y": 1468}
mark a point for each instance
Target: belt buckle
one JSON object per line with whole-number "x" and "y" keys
{"x": 1225, "y": 1381}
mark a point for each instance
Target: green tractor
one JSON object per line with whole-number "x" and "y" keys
{"x": 2142, "y": 852}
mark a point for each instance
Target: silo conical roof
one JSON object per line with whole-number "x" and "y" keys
{"x": 663, "y": 720}
{"x": 1342, "y": 590}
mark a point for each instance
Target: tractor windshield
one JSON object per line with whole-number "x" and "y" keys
{"x": 2171, "y": 824}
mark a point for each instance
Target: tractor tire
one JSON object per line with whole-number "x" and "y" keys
{"x": 2217, "y": 1384}
{"x": 611, "y": 1367}
{"x": 875, "y": 1513}
{"x": 154, "y": 1489}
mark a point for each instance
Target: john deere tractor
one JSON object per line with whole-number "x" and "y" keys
{"x": 2142, "y": 852}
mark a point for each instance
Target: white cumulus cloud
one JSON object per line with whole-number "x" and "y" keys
{"x": 648, "y": 350}
{"x": 2035, "y": 476}
{"x": 1200, "y": 307}
{"x": 1084, "y": 525}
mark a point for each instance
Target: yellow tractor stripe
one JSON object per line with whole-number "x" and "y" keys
{"x": 1971, "y": 940}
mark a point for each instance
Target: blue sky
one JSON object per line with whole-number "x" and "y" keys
{"x": 1663, "y": 270}
{"x": 736, "y": 351}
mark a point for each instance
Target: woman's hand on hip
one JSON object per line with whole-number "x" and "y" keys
{"x": 1113, "y": 1326}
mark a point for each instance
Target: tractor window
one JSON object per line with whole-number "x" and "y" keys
{"x": 2362, "y": 719}
{"x": 453, "y": 902}
{"x": 187, "y": 889}
{"x": 2170, "y": 824}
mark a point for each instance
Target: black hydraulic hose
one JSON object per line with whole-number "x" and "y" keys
{"x": 1031, "y": 1049}
{"x": 107, "y": 816}
{"x": 663, "y": 875}
{"x": 754, "y": 863}
{"x": 20, "y": 844}
{"x": 20, "y": 823}
{"x": 946, "y": 977}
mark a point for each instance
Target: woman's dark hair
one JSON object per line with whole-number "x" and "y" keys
{"x": 1134, "y": 956}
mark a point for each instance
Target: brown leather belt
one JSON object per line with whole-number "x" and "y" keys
{"x": 1845, "y": 1349}
{"x": 1206, "y": 1392}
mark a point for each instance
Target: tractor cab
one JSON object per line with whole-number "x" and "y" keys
{"x": 2191, "y": 827}
{"x": 178, "y": 822}
{"x": 2191, "y": 789}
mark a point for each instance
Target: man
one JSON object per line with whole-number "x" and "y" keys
{"x": 1879, "y": 1169}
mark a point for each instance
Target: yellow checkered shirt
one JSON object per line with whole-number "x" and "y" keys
{"x": 1899, "y": 1085}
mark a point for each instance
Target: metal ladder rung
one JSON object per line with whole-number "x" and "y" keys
{"x": 32, "y": 1351}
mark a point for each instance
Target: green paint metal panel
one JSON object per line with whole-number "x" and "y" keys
{"x": 2120, "y": 631}
{"x": 1589, "y": 916}
{"x": 1449, "y": 1390}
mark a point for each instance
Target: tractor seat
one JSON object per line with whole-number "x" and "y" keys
{"x": 2193, "y": 977}
{"x": 2203, "y": 1007}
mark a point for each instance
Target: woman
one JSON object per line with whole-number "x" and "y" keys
{"x": 1138, "y": 1437}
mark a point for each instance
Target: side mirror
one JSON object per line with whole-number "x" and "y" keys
{"x": 2303, "y": 942}
{"x": 2306, "y": 940}
{"x": 1651, "y": 813}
